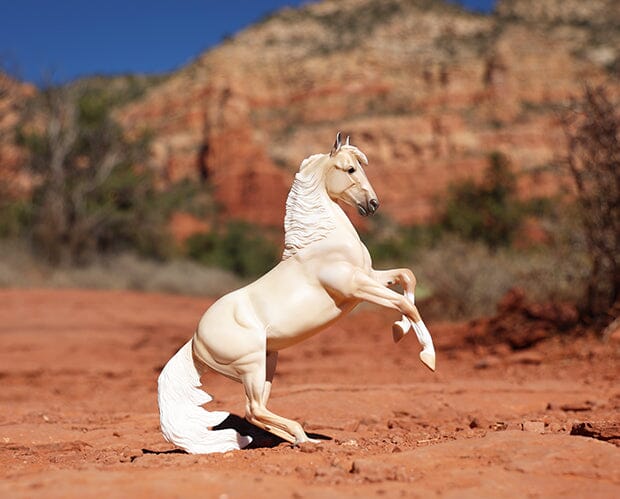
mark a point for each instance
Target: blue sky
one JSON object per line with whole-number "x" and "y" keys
{"x": 71, "y": 38}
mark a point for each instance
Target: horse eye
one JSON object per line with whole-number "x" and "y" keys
{"x": 351, "y": 170}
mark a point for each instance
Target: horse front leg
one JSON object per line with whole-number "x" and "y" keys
{"x": 374, "y": 289}
{"x": 407, "y": 280}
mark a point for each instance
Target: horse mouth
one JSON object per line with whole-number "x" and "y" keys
{"x": 370, "y": 209}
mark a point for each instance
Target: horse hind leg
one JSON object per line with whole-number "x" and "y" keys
{"x": 256, "y": 378}
{"x": 184, "y": 422}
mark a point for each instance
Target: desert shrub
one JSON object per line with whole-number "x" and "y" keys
{"x": 593, "y": 161}
{"x": 467, "y": 279}
{"x": 239, "y": 247}
{"x": 90, "y": 197}
{"x": 462, "y": 278}
{"x": 490, "y": 211}
{"x": 390, "y": 243}
{"x": 15, "y": 215}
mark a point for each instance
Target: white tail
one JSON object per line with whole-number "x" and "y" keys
{"x": 183, "y": 421}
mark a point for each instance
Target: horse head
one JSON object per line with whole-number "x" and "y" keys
{"x": 345, "y": 178}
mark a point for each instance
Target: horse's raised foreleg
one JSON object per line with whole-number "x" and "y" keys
{"x": 404, "y": 303}
{"x": 407, "y": 280}
{"x": 352, "y": 281}
{"x": 256, "y": 376}
{"x": 400, "y": 328}
{"x": 403, "y": 276}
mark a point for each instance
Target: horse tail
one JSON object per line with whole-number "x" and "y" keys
{"x": 184, "y": 422}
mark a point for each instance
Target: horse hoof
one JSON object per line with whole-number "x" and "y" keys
{"x": 428, "y": 359}
{"x": 399, "y": 330}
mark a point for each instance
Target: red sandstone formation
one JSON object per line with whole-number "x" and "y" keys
{"x": 426, "y": 89}
{"x": 13, "y": 96}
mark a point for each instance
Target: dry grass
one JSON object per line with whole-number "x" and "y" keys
{"x": 459, "y": 279}
{"x": 467, "y": 280}
{"x": 18, "y": 268}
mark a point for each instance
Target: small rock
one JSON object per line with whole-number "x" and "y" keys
{"x": 527, "y": 358}
{"x": 499, "y": 426}
{"x": 614, "y": 337}
{"x": 487, "y": 362}
{"x": 556, "y": 428}
{"x": 577, "y": 407}
{"x": 396, "y": 439}
{"x": 309, "y": 447}
{"x": 603, "y": 430}
{"x": 375, "y": 471}
{"x": 474, "y": 423}
{"x": 533, "y": 426}
{"x": 370, "y": 420}
{"x": 328, "y": 472}
{"x": 340, "y": 463}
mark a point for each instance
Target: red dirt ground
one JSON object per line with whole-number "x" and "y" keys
{"x": 78, "y": 410}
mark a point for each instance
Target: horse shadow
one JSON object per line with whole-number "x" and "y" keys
{"x": 261, "y": 439}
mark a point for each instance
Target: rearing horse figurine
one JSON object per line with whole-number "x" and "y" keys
{"x": 325, "y": 272}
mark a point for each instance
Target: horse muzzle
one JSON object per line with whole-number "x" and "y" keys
{"x": 369, "y": 209}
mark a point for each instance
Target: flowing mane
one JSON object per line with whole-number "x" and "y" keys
{"x": 307, "y": 220}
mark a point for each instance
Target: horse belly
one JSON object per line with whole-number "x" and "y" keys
{"x": 229, "y": 330}
{"x": 299, "y": 315}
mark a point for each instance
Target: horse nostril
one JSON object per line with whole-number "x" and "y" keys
{"x": 373, "y": 204}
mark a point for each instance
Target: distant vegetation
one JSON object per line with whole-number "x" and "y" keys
{"x": 489, "y": 212}
{"x": 96, "y": 204}
{"x": 96, "y": 196}
{"x": 467, "y": 259}
{"x": 593, "y": 160}
{"x": 239, "y": 247}
{"x": 90, "y": 196}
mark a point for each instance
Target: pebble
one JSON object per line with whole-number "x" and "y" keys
{"x": 533, "y": 426}
{"x": 528, "y": 358}
{"x": 487, "y": 362}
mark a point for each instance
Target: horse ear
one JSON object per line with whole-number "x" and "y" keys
{"x": 346, "y": 142}
{"x": 337, "y": 144}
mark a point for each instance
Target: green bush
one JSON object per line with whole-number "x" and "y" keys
{"x": 91, "y": 197}
{"x": 15, "y": 215}
{"x": 392, "y": 244}
{"x": 239, "y": 247}
{"x": 488, "y": 212}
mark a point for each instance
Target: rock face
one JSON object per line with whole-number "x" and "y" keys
{"x": 13, "y": 96}
{"x": 425, "y": 88}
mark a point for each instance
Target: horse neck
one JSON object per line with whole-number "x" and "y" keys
{"x": 343, "y": 222}
{"x": 311, "y": 215}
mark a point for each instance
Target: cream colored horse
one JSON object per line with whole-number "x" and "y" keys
{"x": 325, "y": 272}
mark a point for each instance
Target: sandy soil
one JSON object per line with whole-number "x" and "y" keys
{"x": 78, "y": 413}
